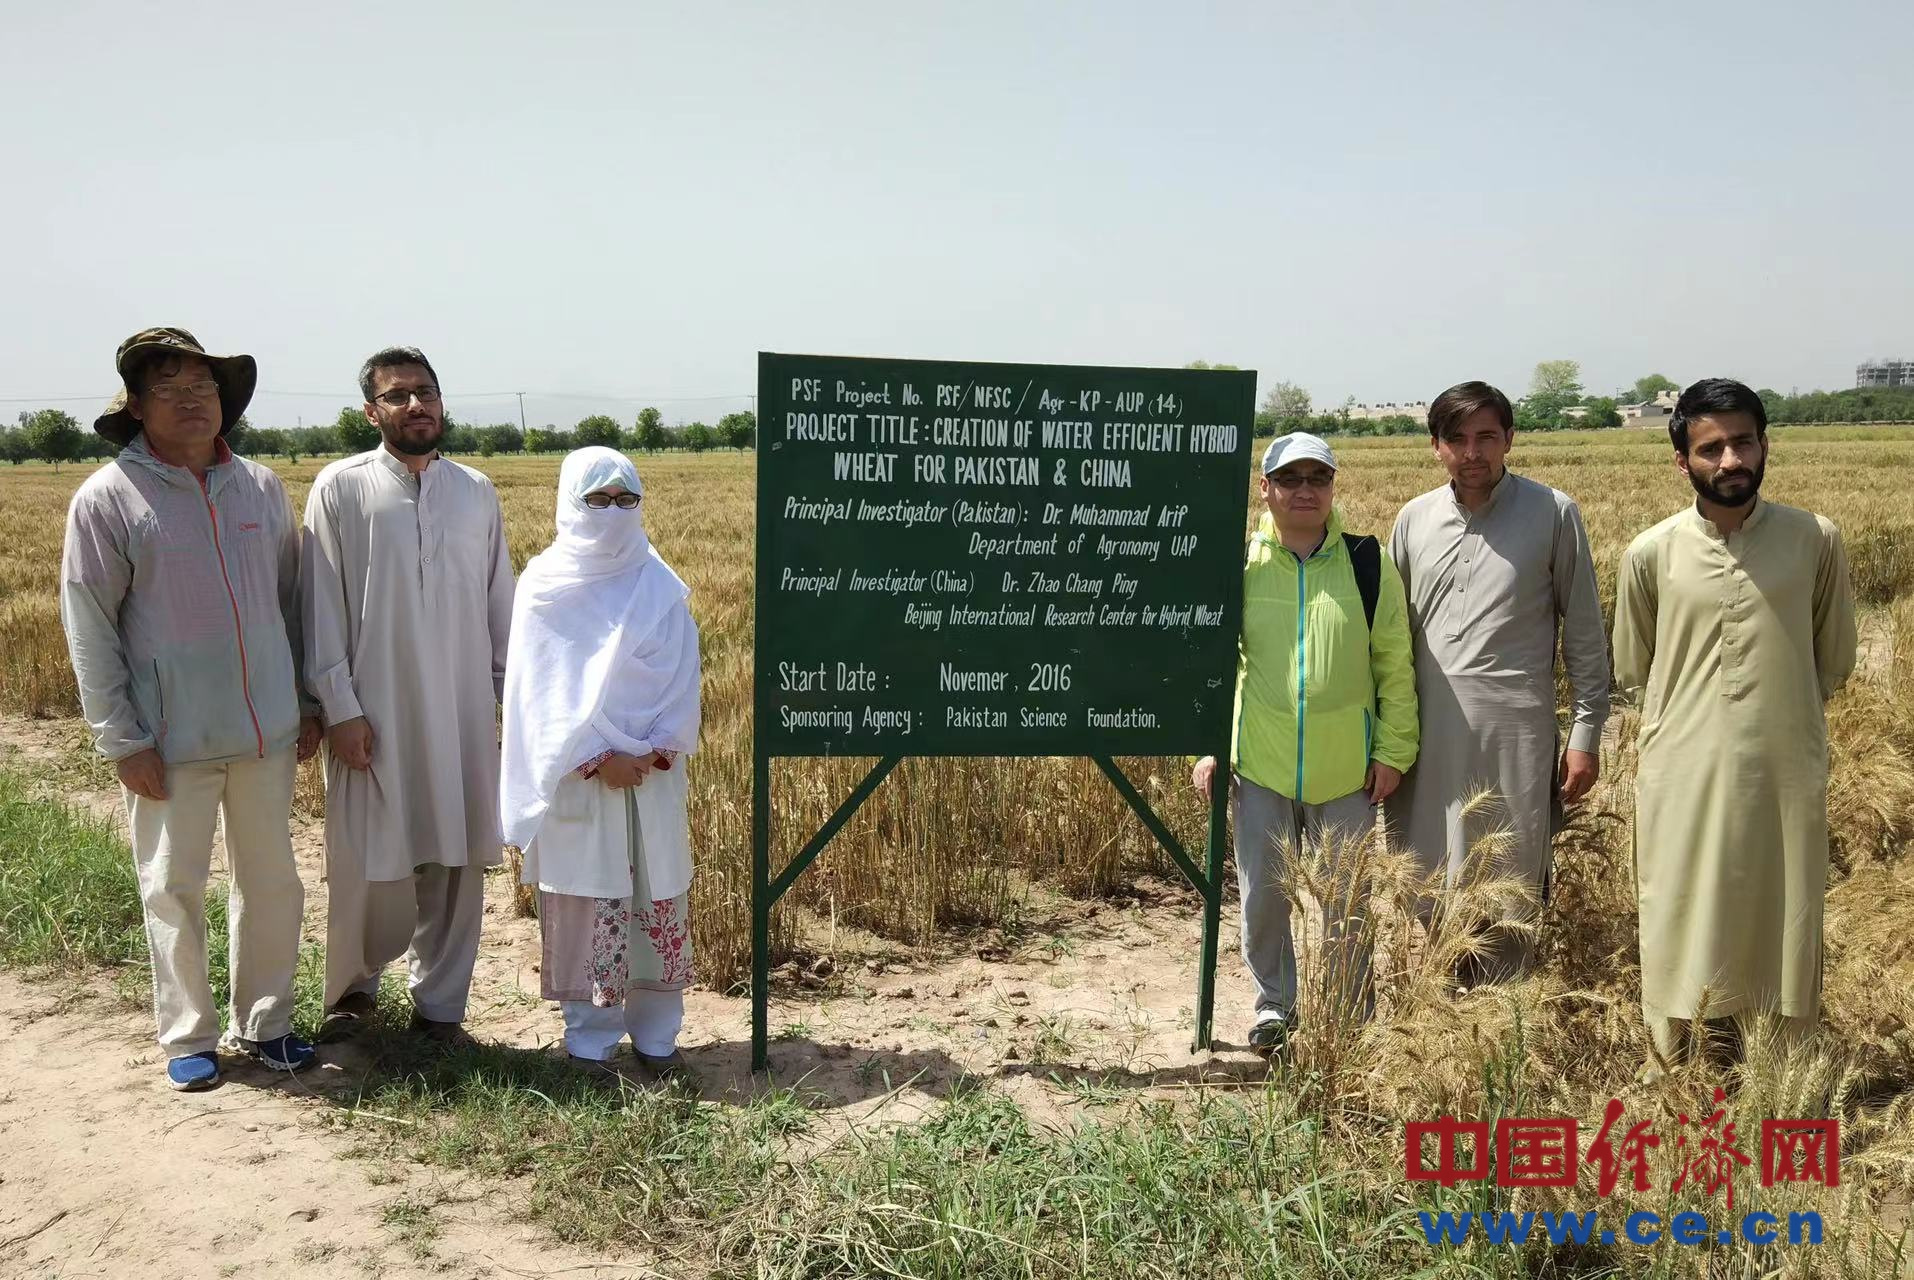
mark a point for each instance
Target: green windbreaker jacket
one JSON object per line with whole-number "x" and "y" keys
{"x": 1318, "y": 694}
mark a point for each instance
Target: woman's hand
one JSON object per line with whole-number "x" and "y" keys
{"x": 622, "y": 771}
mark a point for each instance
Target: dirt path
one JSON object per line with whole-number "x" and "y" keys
{"x": 102, "y": 1166}
{"x": 106, "y": 1172}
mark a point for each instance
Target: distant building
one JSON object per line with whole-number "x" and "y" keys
{"x": 1417, "y": 409}
{"x": 1884, "y": 373}
{"x": 1649, "y": 413}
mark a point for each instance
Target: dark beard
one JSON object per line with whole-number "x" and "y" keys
{"x": 1708, "y": 491}
{"x": 396, "y": 441}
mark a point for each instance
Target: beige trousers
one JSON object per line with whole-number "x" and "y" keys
{"x": 435, "y": 915}
{"x": 172, "y": 855}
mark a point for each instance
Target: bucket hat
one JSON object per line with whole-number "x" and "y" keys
{"x": 237, "y": 376}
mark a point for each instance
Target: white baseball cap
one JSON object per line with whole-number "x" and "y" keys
{"x": 1297, "y": 446}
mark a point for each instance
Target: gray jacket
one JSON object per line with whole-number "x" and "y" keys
{"x": 180, "y": 601}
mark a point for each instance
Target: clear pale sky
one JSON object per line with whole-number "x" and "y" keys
{"x": 626, "y": 202}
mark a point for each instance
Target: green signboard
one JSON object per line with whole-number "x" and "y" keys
{"x": 995, "y": 559}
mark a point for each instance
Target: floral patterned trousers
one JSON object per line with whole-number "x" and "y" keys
{"x": 596, "y": 949}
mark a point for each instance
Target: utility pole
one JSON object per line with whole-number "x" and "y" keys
{"x": 521, "y": 412}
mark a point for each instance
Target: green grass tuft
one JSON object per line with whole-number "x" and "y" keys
{"x": 70, "y": 903}
{"x": 68, "y": 898}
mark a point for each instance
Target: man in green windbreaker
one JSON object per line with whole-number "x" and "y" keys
{"x": 1325, "y": 720}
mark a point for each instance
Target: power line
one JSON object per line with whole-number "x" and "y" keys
{"x": 588, "y": 395}
{"x": 461, "y": 395}
{"x": 548, "y": 395}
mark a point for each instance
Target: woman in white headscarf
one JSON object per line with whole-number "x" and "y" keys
{"x": 601, "y": 707}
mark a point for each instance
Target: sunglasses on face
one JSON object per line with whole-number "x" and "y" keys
{"x": 624, "y": 501}
{"x": 1295, "y": 480}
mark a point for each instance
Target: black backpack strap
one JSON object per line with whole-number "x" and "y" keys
{"x": 1365, "y": 553}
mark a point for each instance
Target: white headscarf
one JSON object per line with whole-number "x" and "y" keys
{"x": 585, "y": 620}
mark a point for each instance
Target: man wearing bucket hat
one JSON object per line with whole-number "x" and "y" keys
{"x": 1325, "y": 727}
{"x": 179, "y": 596}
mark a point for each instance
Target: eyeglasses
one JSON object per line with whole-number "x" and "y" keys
{"x": 624, "y": 501}
{"x": 205, "y": 389}
{"x": 1296, "y": 480}
{"x": 400, "y": 399}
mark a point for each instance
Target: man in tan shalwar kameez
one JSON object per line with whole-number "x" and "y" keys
{"x": 408, "y": 605}
{"x": 1734, "y": 623}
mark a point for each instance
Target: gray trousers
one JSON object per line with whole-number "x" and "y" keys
{"x": 434, "y": 916}
{"x": 1269, "y": 826}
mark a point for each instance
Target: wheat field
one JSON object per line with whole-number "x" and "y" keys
{"x": 948, "y": 842}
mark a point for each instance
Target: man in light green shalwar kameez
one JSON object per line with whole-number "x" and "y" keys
{"x": 1734, "y": 623}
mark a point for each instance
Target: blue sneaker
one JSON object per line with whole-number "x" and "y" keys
{"x": 284, "y": 1053}
{"x": 193, "y": 1072}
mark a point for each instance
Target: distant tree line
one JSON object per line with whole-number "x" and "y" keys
{"x": 53, "y": 435}
{"x": 1557, "y": 401}
{"x": 1857, "y": 404}
{"x": 50, "y": 435}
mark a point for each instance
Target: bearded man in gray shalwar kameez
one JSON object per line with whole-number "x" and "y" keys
{"x": 1494, "y": 563}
